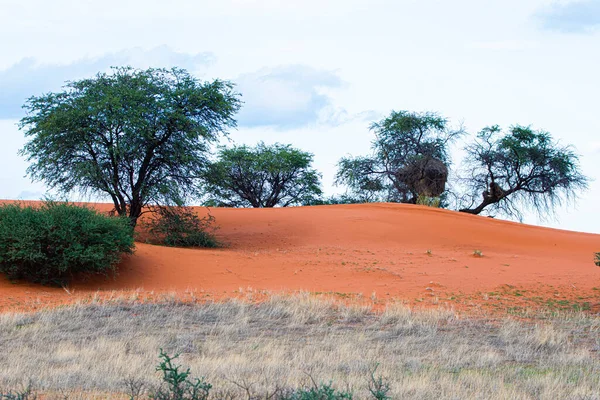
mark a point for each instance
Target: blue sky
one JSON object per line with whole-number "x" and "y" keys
{"x": 317, "y": 73}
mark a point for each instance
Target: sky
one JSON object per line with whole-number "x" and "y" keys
{"x": 317, "y": 73}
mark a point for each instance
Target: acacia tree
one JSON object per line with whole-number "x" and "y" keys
{"x": 140, "y": 137}
{"x": 262, "y": 176}
{"x": 410, "y": 158}
{"x": 520, "y": 168}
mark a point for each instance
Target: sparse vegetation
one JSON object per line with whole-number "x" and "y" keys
{"x": 378, "y": 387}
{"x": 180, "y": 227}
{"x": 285, "y": 344}
{"x": 597, "y": 259}
{"x": 51, "y": 243}
{"x": 477, "y": 253}
{"x": 319, "y": 392}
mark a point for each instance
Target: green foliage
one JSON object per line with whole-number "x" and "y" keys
{"x": 322, "y": 392}
{"x": 25, "y": 394}
{"x": 428, "y": 201}
{"x": 339, "y": 199}
{"x": 51, "y": 243}
{"x": 181, "y": 227}
{"x": 409, "y": 158}
{"x": 597, "y": 259}
{"x": 177, "y": 384}
{"x": 262, "y": 176}
{"x": 139, "y": 137}
{"x": 521, "y": 168}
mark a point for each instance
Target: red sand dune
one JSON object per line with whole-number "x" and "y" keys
{"x": 406, "y": 252}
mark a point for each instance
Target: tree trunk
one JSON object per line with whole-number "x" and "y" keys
{"x": 477, "y": 210}
{"x": 491, "y": 196}
{"x": 135, "y": 210}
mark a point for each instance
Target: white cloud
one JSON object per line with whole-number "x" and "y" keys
{"x": 510, "y": 45}
{"x": 577, "y": 16}
{"x": 286, "y": 97}
{"x": 30, "y": 76}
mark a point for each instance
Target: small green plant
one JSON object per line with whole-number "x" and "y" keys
{"x": 181, "y": 227}
{"x": 378, "y": 387}
{"x": 428, "y": 201}
{"x": 477, "y": 253}
{"x": 429, "y": 252}
{"x": 597, "y": 259}
{"x": 178, "y": 385}
{"x": 318, "y": 392}
{"x": 25, "y": 394}
{"x": 52, "y": 242}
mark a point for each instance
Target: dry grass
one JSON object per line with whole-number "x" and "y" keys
{"x": 425, "y": 354}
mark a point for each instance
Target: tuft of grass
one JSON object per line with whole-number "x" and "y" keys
{"x": 477, "y": 253}
{"x": 597, "y": 259}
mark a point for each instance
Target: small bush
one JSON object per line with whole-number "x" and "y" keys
{"x": 428, "y": 201}
{"x": 51, "y": 243}
{"x": 181, "y": 227}
{"x": 323, "y": 392}
{"x": 25, "y": 394}
{"x": 597, "y": 259}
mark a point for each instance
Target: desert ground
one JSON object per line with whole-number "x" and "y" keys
{"x": 438, "y": 303}
{"x": 415, "y": 254}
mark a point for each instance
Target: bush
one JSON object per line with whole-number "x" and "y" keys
{"x": 597, "y": 259}
{"x": 323, "y": 392}
{"x": 25, "y": 394}
{"x": 181, "y": 227}
{"x": 51, "y": 243}
{"x": 428, "y": 201}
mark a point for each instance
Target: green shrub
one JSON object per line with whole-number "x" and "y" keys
{"x": 51, "y": 243}
{"x": 323, "y": 392}
{"x": 428, "y": 201}
{"x": 597, "y": 259}
{"x": 25, "y": 394}
{"x": 176, "y": 385}
{"x": 181, "y": 227}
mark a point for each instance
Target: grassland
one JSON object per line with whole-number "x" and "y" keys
{"x": 251, "y": 350}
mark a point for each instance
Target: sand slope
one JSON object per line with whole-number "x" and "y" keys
{"x": 395, "y": 251}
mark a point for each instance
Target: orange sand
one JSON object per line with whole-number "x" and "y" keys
{"x": 382, "y": 251}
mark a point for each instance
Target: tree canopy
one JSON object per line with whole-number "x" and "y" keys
{"x": 262, "y": 176}
{"x": 520, "y": 168}
{"x": 409, "y": 158}
{"x": 137, "y": 136}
